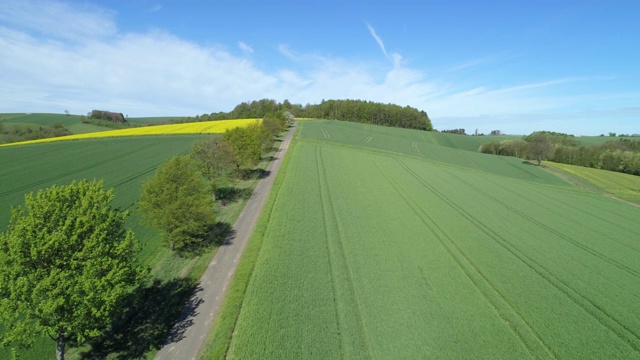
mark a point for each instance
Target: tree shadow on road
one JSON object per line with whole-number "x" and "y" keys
{"x": 147, "y": 316}
{"x": 253, "y": 174}
{"x": 216, "y": 236}
{"x": 229, "y": 194}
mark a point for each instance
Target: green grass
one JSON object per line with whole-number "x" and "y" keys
{"x": 379, "y": 250}
{"x": 138, "y": 121}
{"x": 623, "y": 186}
{"x": 40, "y": 119}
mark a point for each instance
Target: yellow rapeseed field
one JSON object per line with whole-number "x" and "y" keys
{"x": 205, "y": 127}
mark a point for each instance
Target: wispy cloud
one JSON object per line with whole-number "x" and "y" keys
{"x": 245, "y": 47}
{"x": 377, "y": 39}
{"x": 473, "y": 63}
{"x": 156, "y": 8}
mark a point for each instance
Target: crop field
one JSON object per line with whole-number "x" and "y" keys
{"x": 205, "y": 127}
{"x": 381, "y": 244}
{"x": 623, "y": 186}
{"x": 384, "y": 136}
{"x": 122, "y": 162}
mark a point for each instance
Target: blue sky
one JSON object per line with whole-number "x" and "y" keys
{"x": 517, "y": 66}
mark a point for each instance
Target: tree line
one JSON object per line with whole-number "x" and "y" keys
{"x": 622, "y": 155}
{"x": 68, "y": 266}
{"x": 347, "y": 110}
{"x": 179, "y": 199}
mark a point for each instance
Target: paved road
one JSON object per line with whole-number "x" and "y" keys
{"x": 188, "y": 334}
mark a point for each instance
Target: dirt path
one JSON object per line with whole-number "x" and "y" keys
{"x": 188, "y": 334}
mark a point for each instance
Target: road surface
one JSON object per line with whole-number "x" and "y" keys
{"x": 188, "y": 334}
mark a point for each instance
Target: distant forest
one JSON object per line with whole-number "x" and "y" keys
{"x": 348, "y": 110}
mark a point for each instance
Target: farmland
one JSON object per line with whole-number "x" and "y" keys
{"x": 123, "y": 163}
{"x": 205, "y": 127}
{"x": 382, "y": 244}
{"x": 623, "y": 186}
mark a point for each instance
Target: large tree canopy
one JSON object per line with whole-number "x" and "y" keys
{"x": 66, "y": 261}
{"x": 178, "y": 202}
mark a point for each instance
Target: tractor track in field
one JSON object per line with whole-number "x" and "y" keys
{"x": 192, "y": 326}
{"x": 329, "y": 212}
{"x": 561, "y": 214}
{"x": 622, "y": 331}
{"x": 566, "y": 238}
{"x": 501, "y": 305}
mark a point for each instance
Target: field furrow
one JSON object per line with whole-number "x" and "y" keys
{"x": 353, "y": 334}
{"x": 621, "y": 330}
{"x": 528, "y": 337}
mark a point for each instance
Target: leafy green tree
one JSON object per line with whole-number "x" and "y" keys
{"x": 214, "y": 157}
{"x": 65, "y": 265}
{"x": 178, "y": 203}
{"x": 246, "y": 144}
{"x": 539, "y": 146}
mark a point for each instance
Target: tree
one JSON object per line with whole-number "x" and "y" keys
{"x": 178, "y": 203}
{"x": 246, "y": 144}
{"x": 539, "y": 146}
{"x": 214, "y": 158}
{"x": 65, "y": 264}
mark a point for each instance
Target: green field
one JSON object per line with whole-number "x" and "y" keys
{"x": 620, "y": 185}
{"x": 381, "y": 244}
{"x": 123, "y": 163}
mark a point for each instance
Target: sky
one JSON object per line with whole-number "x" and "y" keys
{"x": 517, "y": 66}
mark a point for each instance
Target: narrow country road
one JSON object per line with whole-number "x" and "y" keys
{"x": 188, "y": 334}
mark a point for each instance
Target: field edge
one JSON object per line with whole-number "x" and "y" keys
{"x": 219, "y": 338}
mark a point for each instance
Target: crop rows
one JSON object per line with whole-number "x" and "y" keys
{"x": 378, "y": 252}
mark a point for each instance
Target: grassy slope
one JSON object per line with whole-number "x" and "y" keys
{"x": 426, "y": 252}
{"x": 623, "y": 186}
{"x": 123, "y": 163}
{"x": 151, "y": 120}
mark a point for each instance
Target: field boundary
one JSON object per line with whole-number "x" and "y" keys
{"x": 186, "y": 336}
{"x": 218, "y": 340}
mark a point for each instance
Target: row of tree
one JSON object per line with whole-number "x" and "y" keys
{"x": 179, "y": 199}
{"x": 622, "y": 155}
{"x": 347, "y": 110}
{"x": 68, "y": 266}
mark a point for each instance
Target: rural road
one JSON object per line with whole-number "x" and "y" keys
{"x": 188, "y": 334}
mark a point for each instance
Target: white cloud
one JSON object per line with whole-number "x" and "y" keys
{"x": 156, "y": 8}
{"x": 87, "y": 63}
{"x": 245, "y": 47}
